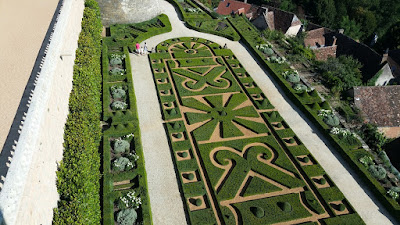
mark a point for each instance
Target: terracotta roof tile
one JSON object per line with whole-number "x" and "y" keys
{"x": 226, "y": 7}
{"x": 379, "y": 104}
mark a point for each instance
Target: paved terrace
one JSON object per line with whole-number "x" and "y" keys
{"x": 166, "y": 203}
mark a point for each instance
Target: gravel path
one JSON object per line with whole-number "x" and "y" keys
{"x": 165, "y": 198}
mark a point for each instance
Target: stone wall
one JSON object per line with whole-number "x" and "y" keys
{"x": 128, "y": 11}
{"x": 323, "y": 53}
{"x": 29, "y": 193}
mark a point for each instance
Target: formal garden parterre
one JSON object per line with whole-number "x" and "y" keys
{"x": 237, "y": 160}
{"x": 125, "y": 194}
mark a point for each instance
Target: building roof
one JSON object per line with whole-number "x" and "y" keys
{"x": 395, "y": 55}
{"x": 379, "y": 104}
{"x": 278, "y": 19}
{"x": 226, "y": 7}
{"x": 317, "y": 37}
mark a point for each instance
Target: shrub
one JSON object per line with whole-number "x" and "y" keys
{"x": 117, "y": 71}
{"x": 300, "y": 87}
{"x": 116, "y": 59}
{"x": 279, "y": 125}
{"x": 377, "y": 171}
{"x": 121, "y": 146}
{"x": 273, "y": 115}
{"x": 198, "y": 202}
{"x": 342, "y": 207}
{"x": 306, "y": 159}
{"x": 79, "y": 172}
{"x": 285, "y": 206}
{"x": 178, "y": 135}
{"x": 172, "y": 112}
{"x": 257, "y": 211}
{"x": 119, "y": 105}
{"x": 118, "y": 92}
{"x": 190, "y": 176}
{"x": 183, "y": 154}
{"x": 293, "y": 78}
{"x": 122, "y": 163}
{"x": 127, "y": 217}
{"x": 176, "y": 126}
{"x": 393, "y": 193}
{"x": 129, "y": 200}
{"x": 322, "y": 181}
{"x": 268, "y": 51}
{"x": 291, "y": 141}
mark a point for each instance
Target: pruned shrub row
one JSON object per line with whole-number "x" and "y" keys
{"x": 79, "y": 172}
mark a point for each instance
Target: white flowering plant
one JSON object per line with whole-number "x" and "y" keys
{"x": 129, "y": 200}
{"x": 366, "y": 160}
{"x": 325, "y": 112}
{"x": 342, "y": 132}
{"x": 393, "y": 194}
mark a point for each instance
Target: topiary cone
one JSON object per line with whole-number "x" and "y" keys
{"x": 176, "y": 126}
{"x": 172, "y": 112}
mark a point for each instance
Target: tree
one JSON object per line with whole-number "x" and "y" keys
{"x": 341, "y": 74}
{"x": 367, "y": 20}
{"x": 325, "y": 11}
{"x": 351, "y": 28}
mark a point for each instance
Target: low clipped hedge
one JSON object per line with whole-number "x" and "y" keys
{"x": 79, "y": 172}
{"x": 191, "y": 23}
{"x": 250, "y": 40}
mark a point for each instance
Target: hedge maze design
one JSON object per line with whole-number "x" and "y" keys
{"x": 237, "y": 160}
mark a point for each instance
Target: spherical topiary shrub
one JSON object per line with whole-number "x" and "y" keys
{"x": 293, "y": 78}
{"x": 162, "y": 80}
{"x": 223, "y": 113}
{"x": 257, "y": 212}
{"x": 127, "y": 217}
{"x": 285, "y": 206}
{"x": 176, "y": 126}
{"x": 121, "y": 146}
{"x": 342, "y": 207}
{"x": 291, "y": 141}
{"x": 120, "y": 163}
{"x": 279, "y": 125}
{"x": 268, "y": 51}
{"x": 118, "y": 93}
{"x": 331, "y": 120}
{"x": 306, "y": 159}
{"x": 178, "y": 135}
{"x": 190, "y": 176}
{"x": 183, "y": 154}
{"x": 198, "y": 202}
{"x": 322, "y": 181}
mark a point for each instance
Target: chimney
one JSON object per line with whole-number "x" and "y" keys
{"x": 245, "y": 1}
{"x": 334, "y": 41}
{"x": 385, "y": 56}
{"x": 341, "y": 31}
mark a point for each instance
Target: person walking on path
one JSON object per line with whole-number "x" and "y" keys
{"x": 137, "y": 48}
{"x": 145, "y": 48}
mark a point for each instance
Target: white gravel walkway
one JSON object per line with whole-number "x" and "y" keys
{"x": 166, "y": 203}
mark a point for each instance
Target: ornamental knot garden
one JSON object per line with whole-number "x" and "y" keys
{"x": 237, "y": 160}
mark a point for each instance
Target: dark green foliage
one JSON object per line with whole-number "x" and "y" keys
{"x": 377, "y": 171}
{"x": 178, "y": 135}
{"x": 79, "y": 172}
{"x": 184, "y": 154}
{"x": 127, "y": 217}
{"x": 172, "y": 112}
{"x": 322, "y": 181}
{"x": 372, "y": 136}
{"x": 190, "y": 176}
{"x": 306, "y": 159}
{"x": 177, "y": 126}
{"x": 341, "y": 74}
{"x": 198, "y": 202}
{"x": 257, "y": 211}
{"x": 285, "y": 206}
{"x": 342, "y": 207}
{"x": 291, "y": 140}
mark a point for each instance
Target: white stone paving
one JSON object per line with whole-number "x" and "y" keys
{"x": 166, "y": 203}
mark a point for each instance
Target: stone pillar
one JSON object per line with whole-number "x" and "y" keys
{"x": 128, "y": 11}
